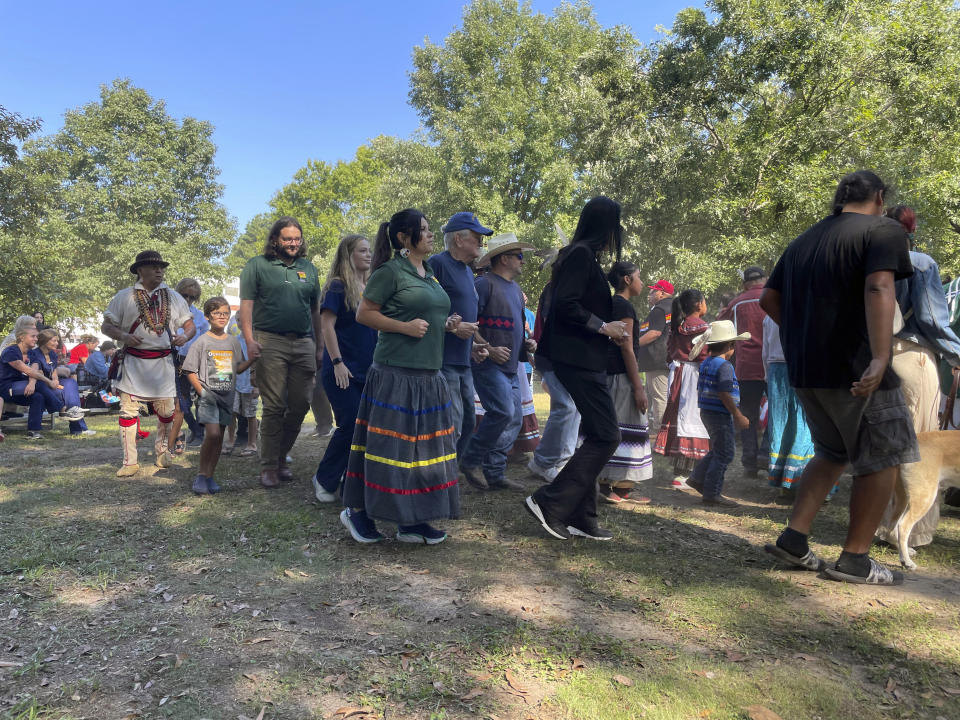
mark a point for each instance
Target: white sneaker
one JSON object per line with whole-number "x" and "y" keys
{"x": 321, "y": 494}
{"x": 75, "y": 413}
{"x": 84, "y": 432}
{"x": 680, "y": 483}
{"x": 548, "y": 474}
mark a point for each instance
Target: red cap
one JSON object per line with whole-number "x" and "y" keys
{"x": 663, "y": 285}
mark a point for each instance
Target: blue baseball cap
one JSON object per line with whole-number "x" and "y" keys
{"x": 465, "y": 221}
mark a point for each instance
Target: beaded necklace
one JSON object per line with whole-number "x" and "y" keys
{"x": 154, "y": 313}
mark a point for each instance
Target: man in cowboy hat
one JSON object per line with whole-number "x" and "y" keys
{"x": 463, "y": 239}
{"x": 500, "y": 316}
{"x": 652, "y": 358}
{"x": 745, "y": 312}
{"x": 144, "y": 320}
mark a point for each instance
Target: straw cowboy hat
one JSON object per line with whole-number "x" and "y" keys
{"x": 720, "y": 331}
{"x": 501, "y": 244}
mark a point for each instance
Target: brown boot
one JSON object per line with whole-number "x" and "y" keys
{"x": 269, "y": 478}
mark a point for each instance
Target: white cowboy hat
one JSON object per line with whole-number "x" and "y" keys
{"x": 720, "y": 331}
{"x": 501, "y": 244}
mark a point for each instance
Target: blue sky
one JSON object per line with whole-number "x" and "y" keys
{"x": 282, "y": 82}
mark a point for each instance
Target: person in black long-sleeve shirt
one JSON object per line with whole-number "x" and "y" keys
{"x": 576, "y": 339}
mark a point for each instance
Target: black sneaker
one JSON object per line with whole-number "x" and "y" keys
{"x": 594, "y": 533}
{"x": 556, "y": 528}
{"x": 360, "y": 526}
{"x": 422, "y": 534}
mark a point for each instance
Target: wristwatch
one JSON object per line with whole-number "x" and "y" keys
{"x": 337, "y": 361}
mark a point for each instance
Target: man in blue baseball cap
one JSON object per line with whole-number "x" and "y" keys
{"x": 463, "y": 240}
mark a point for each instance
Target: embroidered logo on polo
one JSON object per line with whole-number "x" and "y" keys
{"x": 496, "y": 321}
{"x": 301, "y": 276}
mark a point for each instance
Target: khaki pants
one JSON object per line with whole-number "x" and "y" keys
{"x": 285, "y": 375}
{"x": 657, "y": 391}
{"x": 130, "y": 423}
{"x": 322, "y": 412}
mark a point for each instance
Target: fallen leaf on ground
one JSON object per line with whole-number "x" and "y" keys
{"x": 891, "y": 684}
{"x": 8, "y": 663}
{"x": 404, "y": 663}
{"x": 734, "y": 656}
{"x": 476, "y": 692}
{"x": 255, "y": 641}
{"x": 623, "y": 680}
{"x": 709, "y": 674}
{"x": 480, "y": 677}
{"x": 951, "y": 691}
{"x": 514, "y": 683}
{"x": 250, "y": 676}
{"x": 759, "y": 712}
{"x": 290, "y": 573}
{"x": 577, "y": 664}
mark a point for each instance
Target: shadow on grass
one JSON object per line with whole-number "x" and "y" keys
{"x": 223, "y": 605}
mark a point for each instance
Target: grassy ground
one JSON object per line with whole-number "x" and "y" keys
{"x": 132, "y": 598}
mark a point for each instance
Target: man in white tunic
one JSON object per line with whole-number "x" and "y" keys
{"x": 144, "y": 320}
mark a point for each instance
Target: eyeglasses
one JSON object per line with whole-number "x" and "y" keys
{"x": 220, "y": 314}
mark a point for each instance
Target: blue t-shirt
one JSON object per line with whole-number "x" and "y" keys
{"x": 716, "y": 376}
{"x": 48, "y": 363}
{"x": 531, "y": 320}
{"x": 507, "y": 307}
{"x": 357, "y": 342}
{"x": 457, "y": 281}
{"x": 9, "y": 375}
{"x": 200, "y": 323}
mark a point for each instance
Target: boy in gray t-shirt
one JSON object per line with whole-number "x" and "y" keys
{"x": 212, "y": 364}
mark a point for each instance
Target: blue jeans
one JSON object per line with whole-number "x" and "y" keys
{"x": 42, "y": 397}
{"x": 345, "y": 405}
{"x": 460, "y": 380}
{"x": 558, "y": 440}
{"x": 186, "y": 404}
{"x": 500, "y": 396}
{"x": 723, "y": 448}
{"x": 70, "y": 397}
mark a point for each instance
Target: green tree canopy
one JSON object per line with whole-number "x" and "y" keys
{"x": 121, "y": 176}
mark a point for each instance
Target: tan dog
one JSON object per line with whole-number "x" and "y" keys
{"x": 918, "y": 486}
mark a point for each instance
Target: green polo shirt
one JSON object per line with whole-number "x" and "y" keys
{"x": 403, "y": 295}
{"x": 283, "y": 295}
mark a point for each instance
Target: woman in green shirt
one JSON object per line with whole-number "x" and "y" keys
{"x": 402, "y": 465}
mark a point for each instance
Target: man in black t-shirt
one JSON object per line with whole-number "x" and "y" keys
{"x": 832, "y": 294}
{"x": 652, "y": 352}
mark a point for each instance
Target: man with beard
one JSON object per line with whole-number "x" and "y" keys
{"x": 144, "y": 319}
{"x": 280, "y": 318}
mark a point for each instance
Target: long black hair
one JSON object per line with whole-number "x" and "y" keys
{"x": 683, "y": 305}
{"x": 599, "y": 228}
{"x": 857, "y": 187}
{"x": 387, "y": 243}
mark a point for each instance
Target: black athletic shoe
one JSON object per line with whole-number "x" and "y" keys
{"x": 594, "y": 533}
{"x": 555, "y": 528}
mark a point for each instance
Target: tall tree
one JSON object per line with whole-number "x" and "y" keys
{"x": 120, "y": 177}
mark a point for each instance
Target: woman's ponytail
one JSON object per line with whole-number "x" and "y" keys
{"x": 382, "y": 251}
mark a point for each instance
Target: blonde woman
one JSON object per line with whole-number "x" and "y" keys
{"x": 347, "y": 354}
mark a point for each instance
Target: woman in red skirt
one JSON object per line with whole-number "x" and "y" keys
{"x": 682, "y": 435}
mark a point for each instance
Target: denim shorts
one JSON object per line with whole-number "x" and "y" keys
{"x": 871, "y": 433}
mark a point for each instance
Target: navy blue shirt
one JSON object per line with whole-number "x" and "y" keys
{"x": 509, "y": 301}
{"x": 457, "y": 281}
{"x": 48, "y": 363}
{"x": 8, "y": 375}
{"x": 356, "y": 341}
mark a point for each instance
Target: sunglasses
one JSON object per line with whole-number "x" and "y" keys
{"x": 514, "y": 254}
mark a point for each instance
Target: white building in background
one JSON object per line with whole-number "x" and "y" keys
{"x": 231, "y": 291}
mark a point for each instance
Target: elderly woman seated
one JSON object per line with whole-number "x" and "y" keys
{"x": 21, "y": 384}
{"x": 24, "y": 321}
{"x": 46, "y": 358}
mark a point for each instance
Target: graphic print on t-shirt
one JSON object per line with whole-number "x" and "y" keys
{"x": 220, "y": 370}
